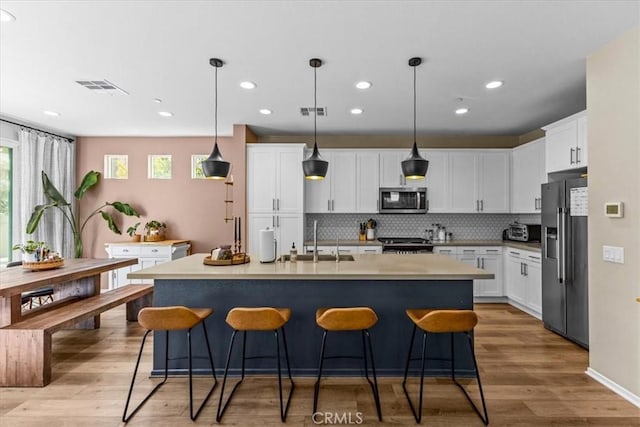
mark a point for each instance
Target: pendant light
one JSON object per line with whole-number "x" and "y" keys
{"x": 314, "y": 167}
{"x": 415, "y": 166}
{"x": 215, "y": 166}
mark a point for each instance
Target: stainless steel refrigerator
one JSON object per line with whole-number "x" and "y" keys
{"x": 565, "y": 299}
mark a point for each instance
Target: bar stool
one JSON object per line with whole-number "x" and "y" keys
{"x": 167, "y": 319}
{"x": 257, "y": 319}
{"x": 44, "y": 295}
{"x": 348, "y": 319}
{"x": 439, "y": 322}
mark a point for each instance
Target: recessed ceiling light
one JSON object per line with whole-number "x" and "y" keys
{"x": 51, "y": 113}
{"x": 165, "y": 114}
{"x": 157, "y": 100}
{"x": 462, "y": 110}
{"x": 363, "y": 85}
{"x": 247, "y": 85}
{"x": 6, "y": 16}
{"x": 494, "y": 84}
{"x": 357, "y": 111}
{"x": 265, "y": 111}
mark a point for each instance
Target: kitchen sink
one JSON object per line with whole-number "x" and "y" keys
{"x": 309, "y": 257}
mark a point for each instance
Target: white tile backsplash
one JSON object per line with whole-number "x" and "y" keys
{"x": 463, "y": 226}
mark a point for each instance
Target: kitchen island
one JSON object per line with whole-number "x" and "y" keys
{"x": 387, "y": 283}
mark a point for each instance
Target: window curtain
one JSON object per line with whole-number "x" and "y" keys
{"x": 56, "y": 157}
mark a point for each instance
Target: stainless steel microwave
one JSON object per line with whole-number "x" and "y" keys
{"x": 403, "y": 200}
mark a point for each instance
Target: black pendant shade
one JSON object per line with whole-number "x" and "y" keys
{"x": 415, "y": 166}
{"x": 314, "y": 167}
{"x": 215, "y": 166}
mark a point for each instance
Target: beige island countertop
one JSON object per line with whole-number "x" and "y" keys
{"x": 365, "y": 267}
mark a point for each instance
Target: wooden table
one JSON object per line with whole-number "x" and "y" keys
{"x": 78, "y": 278}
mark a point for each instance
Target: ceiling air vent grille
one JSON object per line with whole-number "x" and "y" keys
{"x": 102, "y": 86}
{"x": 306, "y": 111}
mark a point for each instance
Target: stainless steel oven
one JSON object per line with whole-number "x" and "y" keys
{"x": 405, "y": 245}
{"x": 403, "y": 200}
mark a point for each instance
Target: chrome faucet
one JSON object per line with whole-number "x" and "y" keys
{"x": 337, "y": 249}
{"x": 315, "y": 240}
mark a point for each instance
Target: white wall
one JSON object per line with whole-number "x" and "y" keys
{"x": 613, "y": 115}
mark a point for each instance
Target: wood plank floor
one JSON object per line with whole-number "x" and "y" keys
{"x": 531, "y": 377}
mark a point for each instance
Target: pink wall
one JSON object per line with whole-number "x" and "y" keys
{"x": 193, "y": 209}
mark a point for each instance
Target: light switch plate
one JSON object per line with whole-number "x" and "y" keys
{"x": 613, "y": 254}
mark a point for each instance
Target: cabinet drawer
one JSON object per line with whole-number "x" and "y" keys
{"x": 155, "y": 251}
{"x": 125, "y": 251}
{"x": 370, "y": 250}
{"x": 490, "y": 250}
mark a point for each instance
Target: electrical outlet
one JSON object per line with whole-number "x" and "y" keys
{"x": 613, "y": 254}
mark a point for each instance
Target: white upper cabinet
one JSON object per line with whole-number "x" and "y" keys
{"x": 527, "y": 174}
{"x": 274, "y": 178}
{"x": 479, "y": 181}
{"x": 335, "y": 193}
{"x": 391, "y": 170}
{"x": 566, "y": 143}
{"x": 437, "y": 180}
{"x": 367, "y": 181}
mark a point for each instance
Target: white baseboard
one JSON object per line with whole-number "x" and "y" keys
{"x": 619, "y": 390}
{"x": 526, "y": 309}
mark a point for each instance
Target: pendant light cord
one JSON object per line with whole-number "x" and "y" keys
{"x": 414, "y": 105}
{"x": 315, "y": 107}
{"x": 215, "y": 108}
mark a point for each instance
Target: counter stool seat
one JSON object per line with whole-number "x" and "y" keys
{"x": 251, "y": 319}
{"x": 348, "y": 319}
{"x": 173, "y": 318}
{"x": 438, "y": 321}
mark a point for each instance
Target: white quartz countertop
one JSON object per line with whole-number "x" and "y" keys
{"x": 365, "y": 267}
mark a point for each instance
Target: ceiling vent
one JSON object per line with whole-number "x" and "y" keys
{"x": 306, "y": 111}
{"x": 102, "y": 87}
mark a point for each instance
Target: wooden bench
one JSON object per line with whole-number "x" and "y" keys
{"x": 27, "y": 344}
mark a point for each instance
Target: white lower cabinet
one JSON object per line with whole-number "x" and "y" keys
{"x": 148, "y": 254}
{"x": 369, "y": 249}
{"x": 487, "y": 258}
{"x": 524, "y": 280}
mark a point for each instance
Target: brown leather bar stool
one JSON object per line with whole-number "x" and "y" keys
{"x": 257, "y": 319}
{"x": 348, "y": 319}
{"x": 442, "y": 322}
{"x": 167, "y": 319}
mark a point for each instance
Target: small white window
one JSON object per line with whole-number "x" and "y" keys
{"x": 159, "y": 166}
{"x": 196, "y": 166}
{"x": 116, "y": 166}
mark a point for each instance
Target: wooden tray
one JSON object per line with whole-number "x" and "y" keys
{"x": 236, "y": 260}
{"x": 42, "y": 265}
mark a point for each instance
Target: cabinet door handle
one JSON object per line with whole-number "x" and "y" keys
{"x": 273, "y": 221}
{"x": 329, "y": 205}
{"x": 477, "y": 206}
{"x": 154, "y": 250}
{"x": 333, "y": 205}
{"x": 125, "y": 250}
{"x": 278, "y": 221}
{"x": 526, "y": 273}
{"x": 483, "y": 263}
{"x": 273, "y": 204}
{"x": 481, "y": 205}
{"x": 369, "y": 250}
{"x": 571, "y": 155}
{"x": 427, "y": 205}
{"x": 578, "y": 155}
{"x": 477, "y": 262}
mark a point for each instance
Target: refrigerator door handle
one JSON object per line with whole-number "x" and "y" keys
{"x": 559, "y": 246}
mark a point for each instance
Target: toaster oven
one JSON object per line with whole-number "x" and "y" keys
{"x": 524, "y": 232}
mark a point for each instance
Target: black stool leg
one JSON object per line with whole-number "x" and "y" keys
{"x": 126, "y": 418}
{"x": 283, "y": 409}
{"x": 215, "y": 380}
{"x": 484, "y": 419}
{"x": 374, "y": 384}
{"x": 316, "y": 390}
{"x": 222, "y": 408}
{"x": 417, "y": 415}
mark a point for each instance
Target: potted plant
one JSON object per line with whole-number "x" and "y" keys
{"x": 154, "y": 230}
{"x": 56, "y": 200}
{"x": 33, "y": 251}
{"x": 131, "y": 231}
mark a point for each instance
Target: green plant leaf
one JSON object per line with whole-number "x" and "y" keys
{"x": 52, "y": 192}
{"x": 36, "y": 215}
{"x": 89, "y": 180}
{"x": 124, "y": 208}
{"x": 112, "y": 224}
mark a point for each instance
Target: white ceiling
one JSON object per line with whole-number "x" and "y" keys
{"x": 161, "y": 49}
